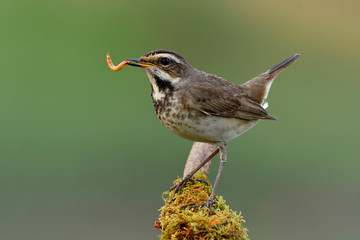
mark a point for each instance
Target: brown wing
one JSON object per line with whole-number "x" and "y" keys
{"x": 224, "y": 99}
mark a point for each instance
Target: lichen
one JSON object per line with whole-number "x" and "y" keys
{"x": 180, "y": 221}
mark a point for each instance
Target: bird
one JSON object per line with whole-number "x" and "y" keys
{"x": 203, "y": 107}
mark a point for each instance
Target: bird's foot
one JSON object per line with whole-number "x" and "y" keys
{"x": 209, "y": 202}
{"x": 182, "y": 184}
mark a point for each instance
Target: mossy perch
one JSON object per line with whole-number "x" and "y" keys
{"x": 180, "y": 221}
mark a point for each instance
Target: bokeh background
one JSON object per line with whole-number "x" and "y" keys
{"x": 83, "y": 156}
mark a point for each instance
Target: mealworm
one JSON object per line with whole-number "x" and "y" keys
{"x": 112, "y": 66}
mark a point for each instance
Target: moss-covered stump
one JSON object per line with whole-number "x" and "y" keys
{"x": 180, "y": 221}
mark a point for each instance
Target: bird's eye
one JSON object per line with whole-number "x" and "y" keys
{"x": 165, "y": 61}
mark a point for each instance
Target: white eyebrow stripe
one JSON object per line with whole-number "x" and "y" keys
{"x": 172, "y": 57}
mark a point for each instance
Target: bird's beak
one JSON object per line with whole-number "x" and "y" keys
{"x": 138, "y": 63}
{"x": 132, "y": 62}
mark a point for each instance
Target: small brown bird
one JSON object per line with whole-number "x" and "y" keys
{"x": 203, "y": 107}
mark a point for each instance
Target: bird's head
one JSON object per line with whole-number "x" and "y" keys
{"x": 164, "y": 68}
{"x": 165, "y": 64}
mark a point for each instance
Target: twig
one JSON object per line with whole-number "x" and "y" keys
{"x": 197, "y": 155}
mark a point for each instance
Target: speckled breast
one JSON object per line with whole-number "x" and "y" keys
{"x": 197, "y": 126}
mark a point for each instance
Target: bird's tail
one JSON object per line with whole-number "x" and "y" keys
{"x": 275, "y": 70}
{"x": 258, "y": 87}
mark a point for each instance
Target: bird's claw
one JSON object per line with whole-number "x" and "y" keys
{"x": 199, "y": 180}
{"x": 182, "y": 184}
{"x": 209, "y": 202}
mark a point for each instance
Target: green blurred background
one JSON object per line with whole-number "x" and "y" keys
{"x": 83, "y": 155}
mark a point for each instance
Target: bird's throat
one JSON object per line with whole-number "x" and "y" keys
{"x": 163, "y": 85}
{"x": 161, "y": 88}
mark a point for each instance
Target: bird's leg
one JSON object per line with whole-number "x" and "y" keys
{"x": 187, "y": 178}
{"x": 211, "y": 200}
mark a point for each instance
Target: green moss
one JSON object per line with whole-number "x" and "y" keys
{"x": 179, "y": 221}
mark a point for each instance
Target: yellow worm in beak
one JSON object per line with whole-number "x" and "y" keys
{"x": 112, "y": 66}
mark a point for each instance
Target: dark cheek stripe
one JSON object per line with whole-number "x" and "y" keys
{"x": 163, "y": 84}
